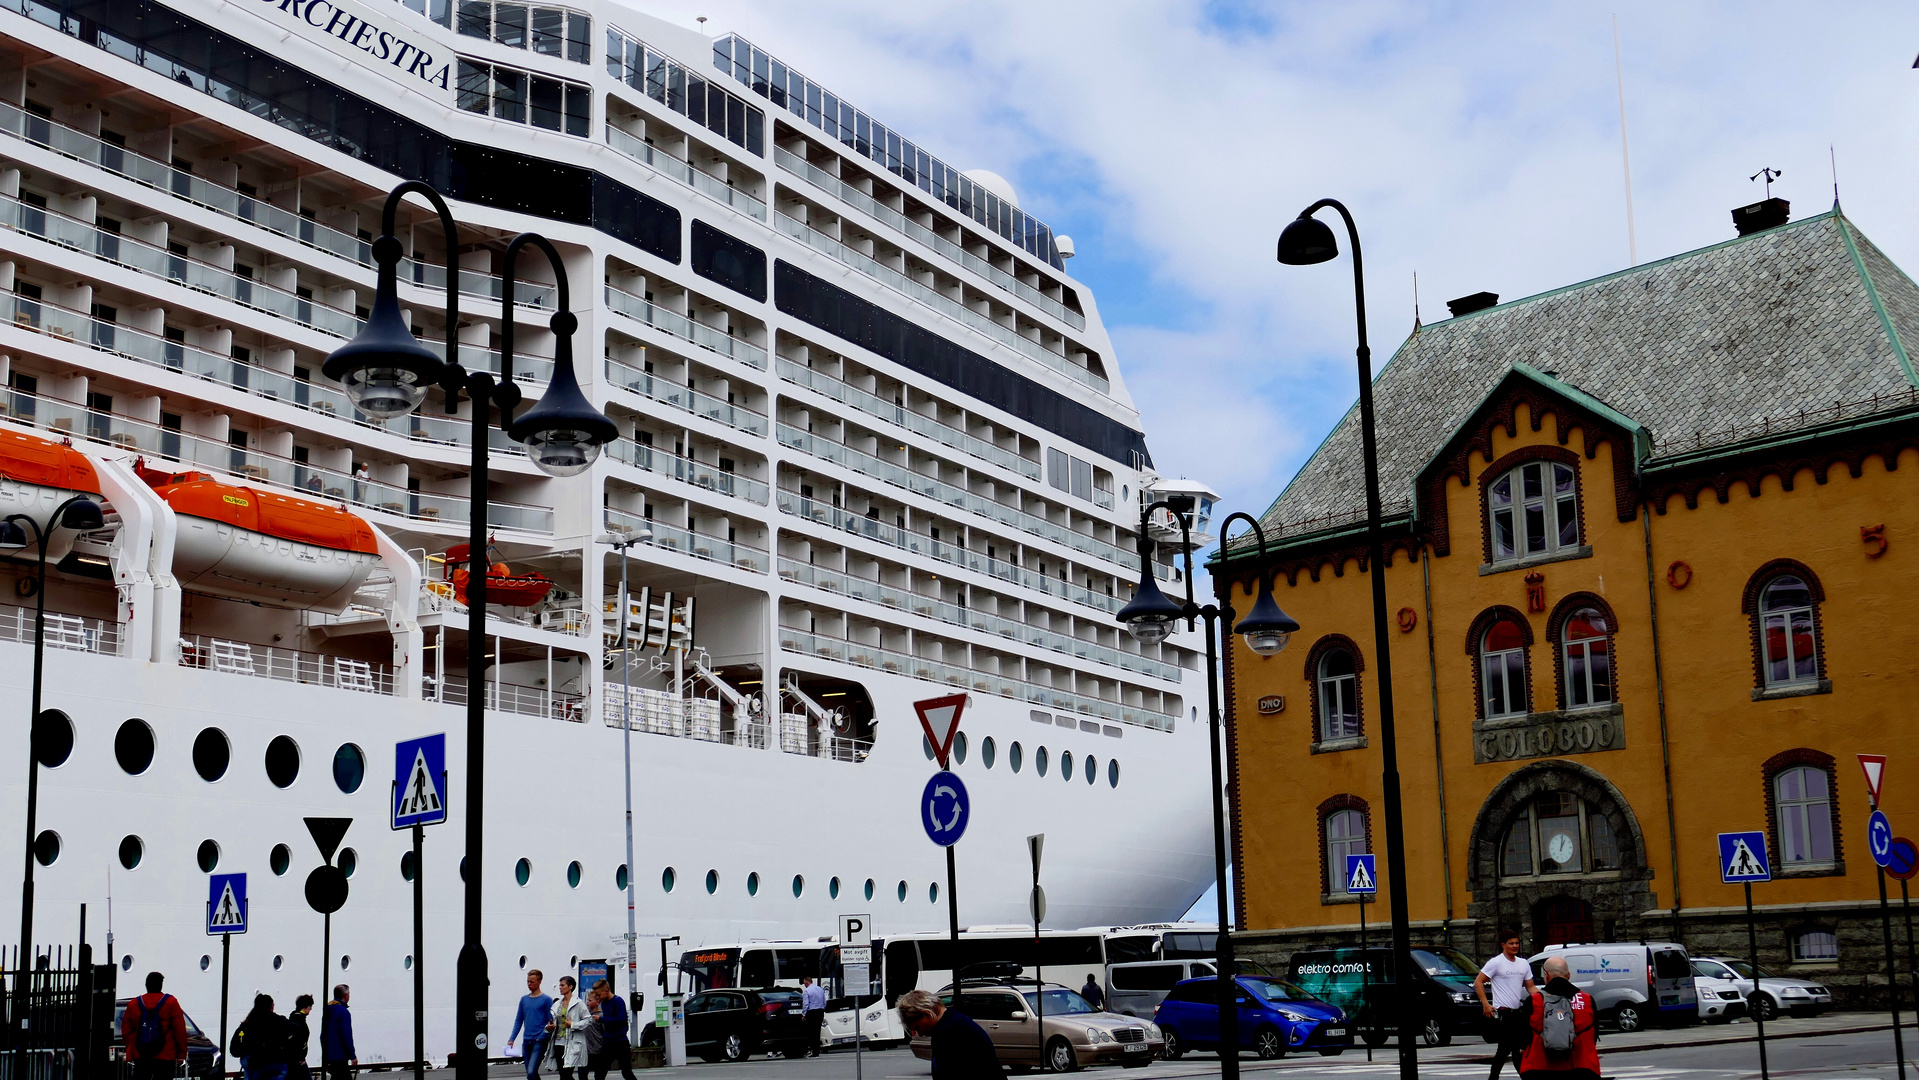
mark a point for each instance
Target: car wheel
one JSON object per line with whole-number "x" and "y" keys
{"x": 1059, "y": 1056}
{"x": 1175, "y": 1047}
{"x": 1628, "y": 1017}
{"x": 1435, "y": 1033}
{"x": 1268, "y": 1043}
{"x": 1764, "y": 1007}
{"x": 734, "y": 1049}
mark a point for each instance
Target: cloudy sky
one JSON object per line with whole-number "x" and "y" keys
{"x": 1478, "y": 144}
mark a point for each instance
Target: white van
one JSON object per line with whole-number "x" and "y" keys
{"x": 1136, "y": 989}
{"x": 1633, "y": 984}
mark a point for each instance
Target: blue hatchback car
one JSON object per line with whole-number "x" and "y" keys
{"x": 1274, "y": 1017}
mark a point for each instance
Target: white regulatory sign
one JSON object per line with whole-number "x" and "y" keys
{"x": 856, "y": 954}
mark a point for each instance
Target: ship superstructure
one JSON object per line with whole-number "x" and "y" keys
{"x": 874, "y": 448}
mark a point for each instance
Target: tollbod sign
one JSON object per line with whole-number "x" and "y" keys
{"x": 331, "y": 18}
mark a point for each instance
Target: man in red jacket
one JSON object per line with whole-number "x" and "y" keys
{"x": 154, "y": 1031}
{"x": 1579, "y": 1057}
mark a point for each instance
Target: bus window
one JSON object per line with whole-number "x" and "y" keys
{"x": 1190, "y": 946}
{"x": 756, "y": 968}
{"x": 1131, "y": 949}
{"x": 710, "y": 969}
{"x": 902, "y": 968}
{"x": 797, "y": 964}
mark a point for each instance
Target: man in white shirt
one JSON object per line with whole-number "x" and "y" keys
{"x": 1510, "y": 1007}
{"x": 813, "y": 996}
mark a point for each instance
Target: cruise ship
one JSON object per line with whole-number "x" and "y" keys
{"x": 874, "y": 448}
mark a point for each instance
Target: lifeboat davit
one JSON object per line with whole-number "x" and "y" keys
{"x": 37, "y": 475}
{"x": 249, "y": 544}
{"x": 503, "y": 586}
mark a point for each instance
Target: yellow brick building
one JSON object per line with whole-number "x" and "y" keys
{"x": 1651, "y": 540}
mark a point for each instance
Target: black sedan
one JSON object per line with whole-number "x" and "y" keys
{"x": 733, "y": 1025}
{"x": 203, "y": 1058}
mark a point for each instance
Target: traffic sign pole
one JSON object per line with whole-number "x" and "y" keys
{"x": 1752, "y": 948}
{"x": 1892, "y": 975}
{"x": 226, "y": 966}
{"x": 1912, "y": 967}
{"x": 419, "y": 944}
{"x": 1365, "y": 977}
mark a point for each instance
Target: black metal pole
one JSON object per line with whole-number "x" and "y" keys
{"x": 419, "y": 944}
{"x": 1752, "y": 947}
{"x": 1892, "y": 978}
{"x": 952, "y": 914}
{"x": 226, "y": 968}
{"x": 1228, "y": 985}
{"x": 1365, "y": 978}
{"x": 23, "y": 961}
{"x": 1039, "y": 977}
{"x": 471, "y": 1034}
{"x": 1912, "y": 966}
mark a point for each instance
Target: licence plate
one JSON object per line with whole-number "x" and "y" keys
{"x": 1137, "y": 1048}
{"x": 1334, "y": 1031}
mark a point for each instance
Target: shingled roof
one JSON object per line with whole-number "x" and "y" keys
{"x": 1706, "y": 348}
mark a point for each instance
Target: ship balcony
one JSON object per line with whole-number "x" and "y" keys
{"x": 919, "y": 423}
{"x": 64, "y": 630}
{"x": 260, "y": 660}
{"x": 680, "y": 172}
{"x": 634, "y": 380}
{"x": 670, "y": 537}
{"x": 675, "y": 325}
{"x": 697, "y": 474}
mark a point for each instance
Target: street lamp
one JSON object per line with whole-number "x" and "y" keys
{"x": 387, "y": 373}
{"x": 1149, "y": 618}
{"x": 1307, "y": 240}
{"x": 83, "y": 515}
{"x": 622, "y": 544}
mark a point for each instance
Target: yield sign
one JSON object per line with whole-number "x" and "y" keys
{"x": 940, "y": 719}
{"x": 1875, "y": 769}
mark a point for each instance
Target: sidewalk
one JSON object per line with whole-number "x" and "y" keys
{"x": 1739, "y": 1031}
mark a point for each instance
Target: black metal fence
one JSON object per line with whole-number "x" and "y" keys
{"x": 59, "y": 1016}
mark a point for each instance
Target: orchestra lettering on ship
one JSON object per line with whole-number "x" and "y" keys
{"x": 329, "y": 17}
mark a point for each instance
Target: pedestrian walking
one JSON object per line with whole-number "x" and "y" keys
{"x": 261, "y": 1041}
{"x": 534, "y": 1015}
{"x": 338, "y": 1058}
{"x": 616, "y": 1048}
{"x": 299, "y": 1039}
{"x": 1509, "y": 1008}
{"x": 813, "y": 997}
{"x": 568, "y": 1027}
{"x": 154, "y": 1032}
{"x": 1565, "y": 1029}
{"x": 961, "y": 1048}
{"x": 1091, "y": 991}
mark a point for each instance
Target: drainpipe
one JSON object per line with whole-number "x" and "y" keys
{"x": 1665, "y": 746}
{"x": 1439, "y": 754}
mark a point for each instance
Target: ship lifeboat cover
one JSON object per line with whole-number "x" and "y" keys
{"x": 37, "y": 475}
{"x": 503, "y": 586}
{"x": 249, "y": 544}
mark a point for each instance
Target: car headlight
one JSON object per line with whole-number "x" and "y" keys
{"x": 1152, "y": 1031}
{"x": 1461, "y": 997}
{"x": 1794, "y": 991}
{"x": 1296, "y": 1018}
{"x": 1098, "y": 1035}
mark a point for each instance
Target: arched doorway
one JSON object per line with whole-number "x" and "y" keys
{"x": 1562, "y": 920}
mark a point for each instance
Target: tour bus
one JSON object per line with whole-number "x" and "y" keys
{"x": 753, "y": 965}
{"x": 926, "y": 961}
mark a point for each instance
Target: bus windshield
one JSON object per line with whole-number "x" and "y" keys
{"x": 710, "y": 969}
{"x": 1059, "y": 1002}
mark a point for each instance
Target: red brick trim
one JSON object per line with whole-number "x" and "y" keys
{"x": 1788, "y": 759}
{"x": 1318, "y": 652}
{"x": 1328, "y": 809}
{"x": 1749, "y": 603}
{"x": 1476, "y": 634}
{"x": 1229, "y": 718}
{"x": 1567, "y": 607}
{"x": 1510, "y": 462}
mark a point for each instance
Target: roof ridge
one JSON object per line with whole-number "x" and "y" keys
{"x": 1878, "y": 302}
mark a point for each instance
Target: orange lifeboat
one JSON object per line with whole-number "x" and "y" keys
{"x": 37, "y": 475}
{"x": 251, "y": 544}
{"x": 503, "y": 586}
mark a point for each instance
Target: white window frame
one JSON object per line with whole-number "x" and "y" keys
{"x": 1496, "y": 666}
{"x": 1828, "y": 937}
{"x": 1556, "y": 512}
{"x": 1333, "y": 690}
{"x": 1577, "y": 663}
{"x": 1799, "y": 811}
{"x": 1338, "y": 847}
{"x": 1784, "y": 617}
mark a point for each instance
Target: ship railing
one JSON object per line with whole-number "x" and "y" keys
{"x": 874, "y": 405}
{"x": 687, "y": 470}
{"x": 799, "y": 736}
{"x": 699, "y": 545}
{"x": 643, "y": 383}
{"x": 235, "y": 204}
{"x": 509, "y": 697}
{"x": 642, "y": 310}
{"x": 230, "y": 657}
{"x": 712, "y": 187}
{"x": 76, "y": 633}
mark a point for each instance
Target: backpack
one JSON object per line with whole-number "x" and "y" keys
{"x": 239, "y": 1046}
{"x": 151, "y": 1036}
{"x": 1557, "y": 1033}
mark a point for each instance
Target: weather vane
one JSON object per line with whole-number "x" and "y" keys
{"x": 1770, "y": 175}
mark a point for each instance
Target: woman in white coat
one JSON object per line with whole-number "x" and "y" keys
{"x": 571, "y": 1018}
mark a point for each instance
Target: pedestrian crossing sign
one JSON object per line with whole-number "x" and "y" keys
{"x": 419, "y": 782}
{"x": 226, "y": 904}
{"x": 1360, "y": 874}
{"x": 1742, "y": 857}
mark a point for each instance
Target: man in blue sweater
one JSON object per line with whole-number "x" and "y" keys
{"x": 337, "y": 1055}
{"x": 535, "y": 1012}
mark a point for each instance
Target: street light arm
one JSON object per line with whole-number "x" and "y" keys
{"x": 1259, "y": 537}
{"x": 564, "y": 322}
{"x": 1185, "y": 542}
{"x": 1359, "y": 263}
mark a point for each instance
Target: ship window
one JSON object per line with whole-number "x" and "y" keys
{"x": 522, "y": 872}
{"x": 1092, "y": 769}
{"x": 211, "y": 754}
{"x": 53, "y": 738}
{"x": 283, "y": 761}
{"x": 205, "y": 961}
{"x": 712, "y": 881}
{"x": 902, "y": 892}
{"x": 619, "y": 878}
{"x": 1039, "y": 761}
{"x": 46, "y": 847}
{"x": 348, "y": 861}
{"x": 1015, "y": 756}
{"x": 277, "y": 961}
{"x": 667, "y": 879}
{"x": 869, "y": 888}
{"x": 349, "y": 768}
{"x": 1112, "y": 773}
{"x": 926, "y": 745}
{"x": 959, "y": 747}
{"x": 987, "y": 752}
{"x": 1065, "y": 766}
{"x": 208, "y": 856}
{"x": 753, "y": 883}
{"x": 731, "y": 262}
{"x": 933, "y": 892}
{"x": 799, "y": 886}
{"x": 133, "y": 747}
{"x": 408, "y": 866}
{"x": 833, "y": 889}
{"x": 573, "y": 874}
{"x": 279, "y": 859}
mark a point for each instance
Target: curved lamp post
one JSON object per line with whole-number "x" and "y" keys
{"x": 82, "y": 514}
{"x": 387, "y": 373}
{"x": 1150, "y": 617}
{"x": 1307, "y": 240}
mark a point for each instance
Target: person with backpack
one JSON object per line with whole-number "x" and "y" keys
{"x": 299, "y": 1038}
{"x": 1565, "y": 1042}
{"x": 154, "y": 1031}
{"x": 261, "y": 1041}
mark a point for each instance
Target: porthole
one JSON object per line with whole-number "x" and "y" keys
{"x": 126, "y": 962}
{"x": 205, "y": 961}
{"x": 1066, "y": 765}
{"x": 799, "y": 886}
{"x": 573, "y": 875}
{"x": 926, "y": 744}
{"x": 349, "y": 768}
{"x": 523, "y": 872}
{"x": 211, "y": 754}
{"x": 902, "y": 892}
{"x": 348, "y": 861}
{"x": 345, "y": 961}
{"x": 46, "y": 847}
{"x": 279, "y": 859}
{"x": 619, "y": 878}
{"x": 1112, "y": 773}
{"x": 1039, "y": 761}
{"x": 523, "y": 962}
{"x": 1092, "y": 769}
{"x": 209, "y": 856}
{"x": 277, "y": 961}
{"x": 712, "y": 882}
{"x": 409, "y": 962}
{"x": 1015, "y": 756}
{"x": 753, "y": 883}
{"x": 407, "y": 867}
{"x": 869, "y": 888}
{"x": 283, "y": 761}
{"x": 833, "y": 889}
{"x": 132, "y": 850}
{"x": 667, "y": 879}
{"x": 959, "y": 748}
{"x": 933, "y": 893}
{"x": 133, "y": 747}
{"x": 53, "y": 738}
{"x": 988, "y": 752}
{"x": 462, "y": 868}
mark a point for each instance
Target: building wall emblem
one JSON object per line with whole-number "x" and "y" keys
{"x": 1551, "y": 734}
{"x": 1272, "y": 703}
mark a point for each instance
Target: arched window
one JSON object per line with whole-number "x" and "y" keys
{"x": 1558, "y": 833}
{"x": 1786, "y": 630}
{"x": 1502, "y": 661}
{"x": 1802, "y": 805}
{"x": 1587, "y": 654}
{"x": 1338, "y": 679}
{"x": 1533, "y": 510}
{"x": 1345, "y": 835}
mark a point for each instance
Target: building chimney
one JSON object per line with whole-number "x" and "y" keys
{"x": 1466, "y": 305}
{"x": 1760, "y": 216}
